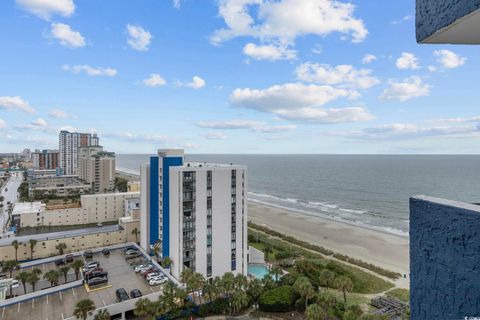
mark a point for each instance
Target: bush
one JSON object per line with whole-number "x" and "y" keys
{"x": 216, "y": 307}
{"x": 280, "y": 299}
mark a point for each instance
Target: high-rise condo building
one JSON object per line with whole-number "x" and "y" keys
{"x": 195, "y": 213}
{"x": 69, "y": 142}
{"x": 45, "y": 160}
{"x": 97, "y": 167}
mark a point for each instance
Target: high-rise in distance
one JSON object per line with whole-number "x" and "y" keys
{"x": 69, "y": 143}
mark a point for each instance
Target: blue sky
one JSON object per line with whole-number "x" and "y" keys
{"x": 233, "y": 76}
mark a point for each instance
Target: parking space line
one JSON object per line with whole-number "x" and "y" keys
{"x": 33, "y": 303}
{"x": 18, "y": 307}
{"x": 104, "y": 304}
{"x": 62, "y": 315}
{"x": 3, "y": 312}
{"x": 73, "y": 291}
{"x": 60, "y": 292}
{"x": 47, "y": 298}
{"x": 153, "y": 291}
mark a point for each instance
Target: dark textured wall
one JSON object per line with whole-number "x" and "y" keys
{"x": 444, "y": 259}
{"x": 432, "y": 15}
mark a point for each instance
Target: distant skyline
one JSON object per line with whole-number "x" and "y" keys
{"x": 234, "y": 76}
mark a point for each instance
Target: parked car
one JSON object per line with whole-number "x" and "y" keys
{"x": 106, "y": 252}
{"x": 157, "y": 281}
{"x": 3, "y": 276}
{"x": 135, "y": 293}
{"x": 149, "y": 271}
{"x": 96, "y": 274}
{"x": 69, "y": 258}
{"x": 99, "y": 224}
{"x": 122, "y": 295}
{"x": 88, "y": 254}
{"x": 152, "y": 275}
{"x": 97, "y": 281}
{"x": 15, "y": 284}
{"x": 59, "y": 262}
{"x": 129, "y": 248}
{"x": 91, "y": 265}
{"x": 142, "y": 267}
{"x": 89, "y": 271}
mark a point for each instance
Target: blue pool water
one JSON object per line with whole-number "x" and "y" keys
{"x": 258, "y": 270}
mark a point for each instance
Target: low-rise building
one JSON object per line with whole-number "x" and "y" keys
{"x": 58, "y": 186}
{"x": 91, "y": 209}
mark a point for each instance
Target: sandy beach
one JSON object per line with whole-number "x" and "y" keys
{"x": 382, "y": 249}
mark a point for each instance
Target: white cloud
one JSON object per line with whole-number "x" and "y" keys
{"x": 91, "y": 71}
{"x": 405, "y": 18}
{"x": 402, "y": 131}
{"x": 196, "y": 83}
{"x": 47, "y": 8}
{"x": 40, "y": 123}
{"x": 407, "y": 61}
{"x": 3, "y": 124}
{"x": 300, "y": 102}
{"x": 15, "y": 103}
{"x": 177, "y": 4}
{"x": 154, "y": 80}
{"x": 285, "y": 20}
{"x": 138, "y": 38}
{"x": 449, "y": 59}
{"x": 368, "y": 58}
{"x": 66, "y": 35}
{"x": 252, "y": 125}
{"x": 343, "y": 75}
{"x": 215, "y": 136}
{"x": 432, "y": 68}
{"x": 269, "y": 52}
{"x": 406, "y": 89}
{"x": 58, "y": 114}
{"x": 318, "y": 49}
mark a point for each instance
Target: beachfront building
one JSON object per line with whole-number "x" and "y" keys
{"x": 97, "y": 167}
{"x": 195, "y": 214}
{"x": 45, "y": 160}
{"x": 69, "y": 143}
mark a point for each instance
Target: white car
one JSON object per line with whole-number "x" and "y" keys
{"x": 15, "y": 284}
{"x": 142, "y": 267}
{"x": 152, "y": 275}
{"x": 157, "y": 281}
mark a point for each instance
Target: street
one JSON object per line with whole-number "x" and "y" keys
{"x": 9, "y": 192}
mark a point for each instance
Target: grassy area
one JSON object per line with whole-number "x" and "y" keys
{"x": 311, "y": 264}
{"x": 381, "y": 271}
{"x": 400, "y": 294}
{"x": 352, "y": 298}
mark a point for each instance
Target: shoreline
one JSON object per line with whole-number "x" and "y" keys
{"x": 376, "y": 246}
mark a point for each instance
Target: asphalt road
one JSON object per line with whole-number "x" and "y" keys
{"x": 9, "y": 192}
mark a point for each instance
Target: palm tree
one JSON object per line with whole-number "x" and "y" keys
{"x": 315, "y": 312}
{"x": 9, "y": 266}
{"x": 195, "y": 282}
{"x": 255, "y": 290}
{"x": 147, "y": 309}
{"x": 32, "y": 243}
{"x": 276, "y": 271}
{"x": 83, "y": 309}
{"x": 353, "y": 312}
{"x": 210, "y": 291}
{"x": 135, "y": 232}
{"x": 345, "y": 285}
{"x": 167, "y": 262}
{"x": 16, "y": 244}
{"x": 64, "y": 270}
{"x": 239, "y": 301}
{"x": 186, "y": 275}
{"x": 77, "y": 265}
{"x": 304, "y": 288}
{"x": 23, "y": 278}
{"x": 327, "y": 277}
{"x": 156, "y": 251}
{"x": 34, "y": 277}
{"x": 326, "y": 301}
{"x": 180, "y": 295}
{"x": 52, "y": 276}
{"x": 61, "y": 247}
{"x": 267, "y": 250}
{"x": 169, "y": 296}
{"x": 228, "y": 285}
{"x": 102, "y": 315}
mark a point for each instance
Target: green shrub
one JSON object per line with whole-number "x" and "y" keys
{"x": 280, "y": 299}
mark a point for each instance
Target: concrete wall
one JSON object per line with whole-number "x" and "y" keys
{"x": 444, "y": 259}
{"x": 433, "y": 15}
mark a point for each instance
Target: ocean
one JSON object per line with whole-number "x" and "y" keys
{"x": 369, "y": 190}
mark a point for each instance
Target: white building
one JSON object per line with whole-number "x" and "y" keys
{"x": 97, "y": 167}
{"x": 69, "y": 143}
{"x": 196, "y": 212}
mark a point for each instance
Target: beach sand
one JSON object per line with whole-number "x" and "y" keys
{"x": 380, "y": 248}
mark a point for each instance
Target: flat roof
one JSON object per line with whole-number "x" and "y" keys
{"x": 28, "y": 207}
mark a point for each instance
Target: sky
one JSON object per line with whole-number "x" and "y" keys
{"x": 234, "y": 76}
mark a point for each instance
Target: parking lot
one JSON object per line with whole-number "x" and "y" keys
{"x": 61, "y": 305}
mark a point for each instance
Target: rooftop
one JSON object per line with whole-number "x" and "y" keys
{"x": 28, "y": 207}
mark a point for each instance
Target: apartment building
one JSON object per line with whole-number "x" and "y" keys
{"x": 69, "y": 143}
{"x": 97, "y": 167}
{"x": 45, "y": 160}
{"x": 196, "y": 213}
{"x": 92, "y": 209}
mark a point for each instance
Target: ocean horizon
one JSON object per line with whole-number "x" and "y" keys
{"x": 370, "y": 191}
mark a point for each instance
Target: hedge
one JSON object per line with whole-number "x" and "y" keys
{"x": 280, "y": 299}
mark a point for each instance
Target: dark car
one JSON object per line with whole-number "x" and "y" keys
{"x": 88, "y": 254}
{"x": 122, "y": 295}
{"x": 106, "y": 252}
{"x": 132, "y": 254}
{"x": 135, "y": 293}
{"x": 97, "y": 281}
{"x": 127, "y": 248}
{"x": 96, "y": 274}
{"x": 3, "y": 276}
{"x": 69, "y": 258}
{"x": 59, "y": 262}
{"x": 89, "y": 271}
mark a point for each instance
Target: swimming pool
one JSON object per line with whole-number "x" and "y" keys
{"x": 258, "y": 270}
